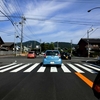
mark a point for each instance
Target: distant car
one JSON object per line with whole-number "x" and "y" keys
{"x": 42, "y": 53}
{"x": 65, "y": 55}
{"x": 37, "y": 53}
{"x": 52, "y": 57}
{"x": 31, "y": 54}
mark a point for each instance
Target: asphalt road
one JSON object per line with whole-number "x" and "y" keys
{"x": 24, "y": 82}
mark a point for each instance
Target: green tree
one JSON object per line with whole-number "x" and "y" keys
{"x": 51, "y": 46}
{"x": 47, "y": 46}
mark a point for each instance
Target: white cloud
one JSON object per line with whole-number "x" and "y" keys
{"x": 53, "y": 20}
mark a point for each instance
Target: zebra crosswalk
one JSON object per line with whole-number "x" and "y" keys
{"x": 65, "y": 68}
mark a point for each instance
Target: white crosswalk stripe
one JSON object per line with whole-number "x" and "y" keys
{"x": 7, "y": 65}
{"x": 9, "y": 68}
{"x": 53, "y": 69}
{"x": 75, "y": 68}
{"x": 32, "y": 67}
{"x": 42, "y": 69}
{"x": 87, "y": 69}
{"x": 95, "y": 65}
{"x": 66, "y": 68}
{"x": 20, "y": 68}
{"x": 92, "y": 67}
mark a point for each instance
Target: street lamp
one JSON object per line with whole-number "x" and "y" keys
{"x": 93, "y": 9}
{"x": 92, "y": 29}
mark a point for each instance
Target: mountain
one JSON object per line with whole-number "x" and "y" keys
{"x": 59, "y": 44}
{"x": 64, "y": 44}
{"x": 32, "y": 44}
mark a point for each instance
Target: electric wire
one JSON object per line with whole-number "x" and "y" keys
{"x": 78, "y": 1}
{"x": 17, "y": 15}
{"x": 78, "y": 22}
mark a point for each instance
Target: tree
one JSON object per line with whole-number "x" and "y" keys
{"x": 51, "y": 46}
{"x": 47, "y": 46}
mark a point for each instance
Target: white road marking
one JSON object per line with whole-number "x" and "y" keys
{"x": 65, "y": 69}
{"x": 41, "y": 69}
{"x": 75, "y": 68}
{"x": 53, "y": 69}
{"x": 87, "y": 69}
{"x": 98, "y": 69}
{"x": 3, "y": 70}
{"x": 14, "y": 67}
{"x": 7, "y": 65}
{"x": 95, "y": 65}
{"x": 20, "y": 68}
{"x": 32, "y": 67}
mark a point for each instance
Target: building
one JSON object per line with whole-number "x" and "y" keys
{"x": 6, "y": 46}
{"x": 92, "y": 43}
{"x": 1, "y": 41}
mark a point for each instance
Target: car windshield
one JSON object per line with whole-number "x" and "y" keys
{"x": 55, "y": 53}
{"x": 31, "y": 52}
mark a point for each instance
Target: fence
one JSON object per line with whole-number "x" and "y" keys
{"x": 8, "y": 52}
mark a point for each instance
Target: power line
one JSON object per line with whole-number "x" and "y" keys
{"x": 62, "y": 21}
{"x": 3, "y": 20}
{"x": 80, "y": 1}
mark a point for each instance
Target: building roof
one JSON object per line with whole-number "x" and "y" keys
{"x": 91, "y": 40}
{"x": 1, "y": 41}
{"x": 8, "y": 44}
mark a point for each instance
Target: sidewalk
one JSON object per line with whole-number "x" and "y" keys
{"x": 7, "y": 56}
{"x": 13, "y": 55}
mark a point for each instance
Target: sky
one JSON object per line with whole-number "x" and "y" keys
{"x": 49, "y": 20}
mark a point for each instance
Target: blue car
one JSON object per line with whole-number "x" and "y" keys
{"x": 52, "y": 57}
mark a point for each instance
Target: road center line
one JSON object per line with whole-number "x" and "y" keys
{"x": 85, "y": 79}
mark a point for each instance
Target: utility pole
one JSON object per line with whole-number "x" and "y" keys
{"x": 71, "y": 47}
{"x": 57, "y": 45}
{"x": 88, "y": 43}
{"x": 22, "y": 22}
{"x": 40, "y": 45}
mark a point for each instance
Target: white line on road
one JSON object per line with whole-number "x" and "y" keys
{"x": 95, "y": 65}
{"x": 75, "y": 68}
{"x": 65, "y": 69}
{"x": 98, "y": 69}
{"x": 7, "y": 65}
{"x": 41, "y": 69}
{"x": 53, "y": 69}
{"x": 20, "y": 68}
{"x": 32, "y": 67}
{"x": 3, "y": 70}
{"x": 87, "y": 69}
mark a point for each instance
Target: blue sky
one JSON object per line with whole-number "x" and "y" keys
{"x": 49, "y": 20}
